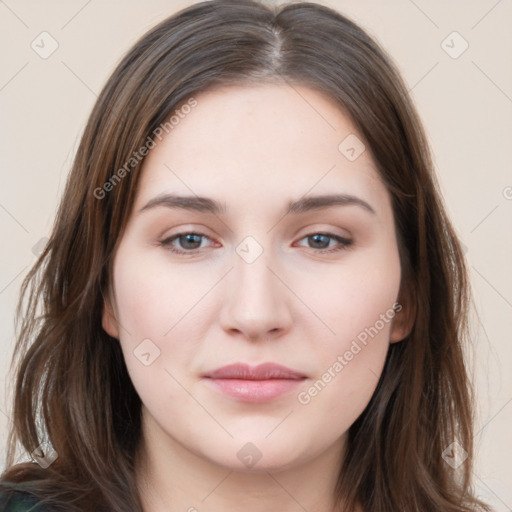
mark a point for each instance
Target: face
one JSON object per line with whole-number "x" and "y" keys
{"x": 255, "y": 316}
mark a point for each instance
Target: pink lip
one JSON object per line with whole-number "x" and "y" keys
{"x": 261, "y": 383}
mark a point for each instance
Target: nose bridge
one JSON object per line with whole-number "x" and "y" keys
{"x": 256, "y": 301}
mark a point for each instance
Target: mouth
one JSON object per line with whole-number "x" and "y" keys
{"x": 256, "y": 384}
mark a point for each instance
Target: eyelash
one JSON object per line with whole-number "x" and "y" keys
{"x": 344, "y": 243}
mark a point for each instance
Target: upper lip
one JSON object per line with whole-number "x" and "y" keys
{"x": 265, "y": 371}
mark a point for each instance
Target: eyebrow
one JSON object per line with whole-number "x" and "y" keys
{"x": 302, "y": 205}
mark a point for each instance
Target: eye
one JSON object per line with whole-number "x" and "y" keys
{"x": 321, "y": 242}
{"x": 190, "y": 242}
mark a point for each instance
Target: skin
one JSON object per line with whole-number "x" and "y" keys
{"x": 253, "y": 148}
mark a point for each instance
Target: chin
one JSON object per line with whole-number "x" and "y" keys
{"x": 258, "y": 455}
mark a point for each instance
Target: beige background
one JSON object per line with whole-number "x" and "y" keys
{"x": 465, "y": 103}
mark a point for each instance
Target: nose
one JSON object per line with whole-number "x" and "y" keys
{"x": 257, "y": 303}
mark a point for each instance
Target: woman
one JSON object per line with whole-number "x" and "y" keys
{"x": 252, "y": 296}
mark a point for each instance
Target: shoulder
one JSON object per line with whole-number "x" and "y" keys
{"x": 20, "y": 501}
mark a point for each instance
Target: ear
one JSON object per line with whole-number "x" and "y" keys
{"x": 108, "y": 318}
{"x": 405, "y": 315}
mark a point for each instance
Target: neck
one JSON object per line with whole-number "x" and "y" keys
{"x": 171, "y": 478}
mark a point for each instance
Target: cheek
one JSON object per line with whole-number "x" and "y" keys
{"x": 151, "y": 298}
{"x": 357, "y": 306}
{"x": 152, "y": 305}
{"x": 353, "y": 298}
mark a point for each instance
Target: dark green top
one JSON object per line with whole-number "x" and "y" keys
{"x": 19, "y": 501}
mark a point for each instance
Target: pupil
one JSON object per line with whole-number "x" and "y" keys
{"x": 318, "y": 239}
{"x": 190, "y": 239}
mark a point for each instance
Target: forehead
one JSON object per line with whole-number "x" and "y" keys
{"x": 260, "y": 139}
{"x": 273, "y": 114}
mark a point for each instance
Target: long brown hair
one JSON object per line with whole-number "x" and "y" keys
{"x": 72, "y": 387}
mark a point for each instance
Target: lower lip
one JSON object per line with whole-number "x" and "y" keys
{"x": 256, "y": 391}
